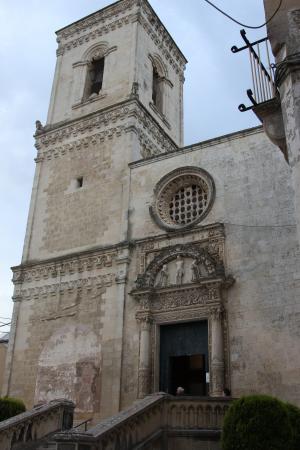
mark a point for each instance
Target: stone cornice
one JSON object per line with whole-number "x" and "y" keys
{"x": 102, "y": 125}
{"x": 56, "y": 286}
{"x": 199, "y": 145}
{"x": 86, "y": 261}
{"x": 113, "y": 17}
{"x": 75, "y": 128}
{"x": 203, "y": 232}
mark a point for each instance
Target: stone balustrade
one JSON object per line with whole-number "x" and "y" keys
{"x": 149, "y": 423}
{"x": 34, "y": 425}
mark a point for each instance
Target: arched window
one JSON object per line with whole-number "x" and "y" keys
{"x": 159, "y": 80}
{"x": 94, "y": 78}
{"x": 157, "y": 90}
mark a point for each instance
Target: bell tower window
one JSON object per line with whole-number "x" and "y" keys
{"x": 95, "y": 77}
{"x": 157, "y": 90}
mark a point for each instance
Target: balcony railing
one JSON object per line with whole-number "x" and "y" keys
{"x": 262, "y": 71}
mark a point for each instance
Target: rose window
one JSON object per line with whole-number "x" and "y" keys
{"x": 183, "y": 198}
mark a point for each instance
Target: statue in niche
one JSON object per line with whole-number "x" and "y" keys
{"x": 163, "y": 276}
{"x": 196, "y": 272}
{"x": 179, "y": 270}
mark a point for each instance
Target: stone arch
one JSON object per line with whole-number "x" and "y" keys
{"x": 158, "y": 63}
{"x": 167, "y": 255}
{"x": 159, "y": 79}
{"x": 99, "y": 50}
{"x": 94, "y": 60}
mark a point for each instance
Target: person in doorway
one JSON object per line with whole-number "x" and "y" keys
{"x": 180, "y": 390}
{"x": 226, "y": 392}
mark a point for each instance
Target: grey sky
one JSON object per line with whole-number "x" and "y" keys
{"x": 216, "y": 82}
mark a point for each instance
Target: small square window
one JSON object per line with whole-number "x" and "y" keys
{"x": 79, "y": 182}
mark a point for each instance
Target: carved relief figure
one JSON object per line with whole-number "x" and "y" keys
{"x": 179, "y": 270}
{"x": 163, "y": 276}
{"x": 209, "y": 266}
{"x": 196, "y": 273}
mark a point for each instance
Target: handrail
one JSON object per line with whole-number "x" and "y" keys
{"x": 34, "y": 425}
{"x": 150, "y": 419}
{"x": 85, "y": 422}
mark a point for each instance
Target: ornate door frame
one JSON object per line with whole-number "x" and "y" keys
{"x": 200, "y": 299}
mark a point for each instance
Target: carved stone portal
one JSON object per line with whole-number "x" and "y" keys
{"x": 182, "y": 283}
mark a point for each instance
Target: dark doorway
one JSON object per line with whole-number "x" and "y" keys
{"x": 184, "y": 358}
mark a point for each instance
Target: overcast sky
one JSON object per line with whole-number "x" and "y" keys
{"x": 216, "y": 83}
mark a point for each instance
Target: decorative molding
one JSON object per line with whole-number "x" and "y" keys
{"x": 102, "y": 17}
{"x": 92, "y": 35}
{"x": 102, "y": 22}
{"x": 155, "y": 139}
{"x": 178, "y": 298}
{"x": 78, "y": 127}
{"x": 60, "y": 286}
{"x": 160, "y": 36}
{"x": 81, "y": 143}
{"x": 166, "y": 192}
{"x": 146, "y": 122}
{"x": 216, "y": 312}
{"x": 146, "y": 280}
{"x": 210, "y": 237}
{"x": 66, "y": 267}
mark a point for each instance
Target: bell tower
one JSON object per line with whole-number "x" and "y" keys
{"x": 116, "y": 99}
{"x": 120, "y": 52}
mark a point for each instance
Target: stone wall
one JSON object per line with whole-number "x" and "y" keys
{"x": 254, "y": 200}
{"x": 3, "y": 351}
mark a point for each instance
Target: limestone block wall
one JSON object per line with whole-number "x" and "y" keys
{"x": 254, "y": 200}
{"x": 65, "y": 217}
{"x": 3, "y": 351}
{"x": 70, "y": 342}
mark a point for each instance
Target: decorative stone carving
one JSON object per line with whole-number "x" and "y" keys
{"x": 194, "y": 292}
{"x": 199, "y": 255}
{"x": 135, "y": 90}
{"x": 60, "y": 286}
{"x": 183, "y": 198}
{"x": 94, "y": 131}
{"x": 58, "y": 268}
{"x": 196, "y": 273}
{"x": 163, "y": 276}
{"x": 179, "y": 270}
{"x": 116, "y": 16}
{"x": 38, "y": 127}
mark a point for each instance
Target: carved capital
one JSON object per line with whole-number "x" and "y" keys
{"x": 216, "y": 312}
{"x": 145, "y": 320}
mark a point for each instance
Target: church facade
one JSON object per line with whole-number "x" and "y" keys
{"x": 148, "y": 265}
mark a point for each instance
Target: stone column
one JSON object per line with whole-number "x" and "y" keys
{"x": 144, "y": 376}
{"x": 80, "y": 73}
{"x": 217, "y": 352}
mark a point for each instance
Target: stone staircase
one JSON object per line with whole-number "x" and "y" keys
{"x": 33, "y": 430}
{"x": 158, "y": 422}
